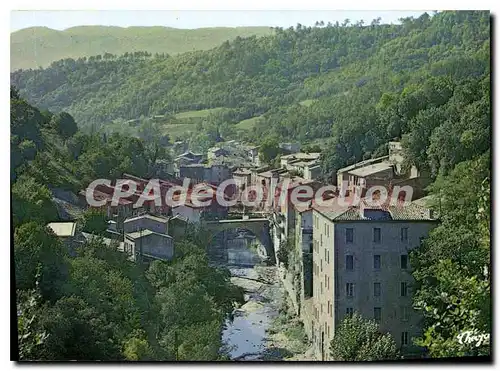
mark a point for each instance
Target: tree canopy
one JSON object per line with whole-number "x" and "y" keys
{"x": 358, "y": 339}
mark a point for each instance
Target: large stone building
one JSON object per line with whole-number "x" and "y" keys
{"x": 360, "y": 264}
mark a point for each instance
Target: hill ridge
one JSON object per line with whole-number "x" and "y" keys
{"x": 35, "y": 47}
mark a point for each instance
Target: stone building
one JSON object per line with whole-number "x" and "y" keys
{"x": 156, "y": 224}
{"x": 304, "y": 244}
{"x": 360, "y": 264}
{"x": 147, "y": 245}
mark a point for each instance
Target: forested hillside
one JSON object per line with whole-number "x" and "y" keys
{"x": 360, "y": 85}
{"x": 352, "y": 87}
{"x": 95, "y": 304}
{"x": 40, "y": 46}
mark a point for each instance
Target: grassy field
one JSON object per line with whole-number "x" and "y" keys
{"x": 177, "y": 130}
{"x": 197, "y": 114}
{"x": 39, "y": 46}
{"x": 248, "y": 124}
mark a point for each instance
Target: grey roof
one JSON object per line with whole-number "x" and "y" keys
{"x": 371, "y": 169}
{"x": 362, "y": 163}
{"x": 242, "y": 172}
{"x": 144, "y": 233}
{"x": 147, "y": 216}
{"x": 179, "y": 217}
{"x": 269, "y": 173}
{"x": 302, "y": 156}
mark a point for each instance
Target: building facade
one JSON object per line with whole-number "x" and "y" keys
{"x": 146, "y": 244}
{"x": 360, "y": 264}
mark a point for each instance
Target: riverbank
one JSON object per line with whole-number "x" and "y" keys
{"x": 262, "y": 329}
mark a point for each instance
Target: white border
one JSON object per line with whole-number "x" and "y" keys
{"x": 183, "y": 5}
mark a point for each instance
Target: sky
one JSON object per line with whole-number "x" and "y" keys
{"x": 189, "y": 19}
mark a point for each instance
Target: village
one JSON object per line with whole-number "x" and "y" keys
{"x": 331, "y": 261}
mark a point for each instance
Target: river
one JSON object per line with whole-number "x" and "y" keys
{"x": 246, "y": 336}
{"x": 254, "y": 334}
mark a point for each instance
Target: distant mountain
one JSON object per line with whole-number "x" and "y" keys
{"x": 39, "y": 46}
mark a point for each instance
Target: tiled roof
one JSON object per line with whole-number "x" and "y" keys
{"x": 411, "y": 211}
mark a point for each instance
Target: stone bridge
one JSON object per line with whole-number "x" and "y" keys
{"x": 260, "y": 227}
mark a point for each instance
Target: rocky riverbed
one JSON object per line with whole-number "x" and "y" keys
{"x": 259, "y": 332}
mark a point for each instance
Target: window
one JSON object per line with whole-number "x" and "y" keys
{"x": 349, "y": 262}
{"x": 377, "y": 313}
{"x": 349, "y": 289}
{"x": 404, "y": 234}
{"x": 321, "y": 265}
{"x": 376, "y": 261}
{"x": 329, "y": 308}
{"x": 404, "y": 313}
{"x": 328, "y": 257}
{"x": 349, "y": 235}
{"x": 404, "y": 261}
{"x": 404, "y": 289}
{"x": 376, "y": 235}
{"x": 376, "y": 289}
{"x": 326, "y": 280}
{"x": 321, "y": 240}
{"x": 404, "y": 338}
{"x": 325, "y": 254}
{"x": 349, "y": 311}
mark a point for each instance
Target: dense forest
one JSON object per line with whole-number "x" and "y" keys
{"x": 95, "y": 304}
{"x": 349, "y": 88}
{"x": 362, "y": 84}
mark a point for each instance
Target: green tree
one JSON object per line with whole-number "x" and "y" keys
{"x": 29, "y": 336}
{"x": 269, "y": 150}
{"x": 357, "y": 339}
{"x": 95, "y": 221}
{"x": 32, "y": 201}
{"x": 452, "y": 267}
{"x": 38, "y": 251}
{"x": 64, "y": 124}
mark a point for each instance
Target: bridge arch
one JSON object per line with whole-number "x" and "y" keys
{"x": 258, "y": 226}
